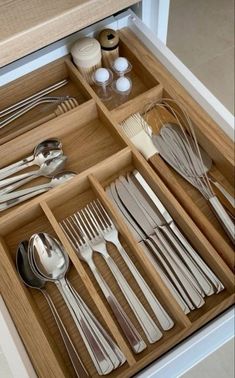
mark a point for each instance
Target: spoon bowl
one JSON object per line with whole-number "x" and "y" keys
{"x": 24, "y": 269}
{"x": 48, "y": 257}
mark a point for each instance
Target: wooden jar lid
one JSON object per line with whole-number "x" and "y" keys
{"x": 108, "y": 39}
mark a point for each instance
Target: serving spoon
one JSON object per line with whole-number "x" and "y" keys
{"x": 44, "y": 147}
{"x": 48, "y": 169}
{"x": 48, "y": 259}
{"x": 34, "y": 282}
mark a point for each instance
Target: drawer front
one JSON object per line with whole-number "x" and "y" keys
{"x": 211, "y": 112}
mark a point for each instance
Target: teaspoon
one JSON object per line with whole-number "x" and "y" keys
{"x": 48, "y": 259}
{"x": 56, "y": 180}
{"x": 47, "y": 169}
{"x": 34, "y": 282}
{"x": 6, "y": 204}
{"x": 42, "y": 148}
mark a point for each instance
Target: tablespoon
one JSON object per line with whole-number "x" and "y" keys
{"x": 44, "y": 146}
{"x": 34, "y": 282}
{"x": 56, "y": 180}
{"x": 48, "y": 259}
{"x": 47, "y": 169}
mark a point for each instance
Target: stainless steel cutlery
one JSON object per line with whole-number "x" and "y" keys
{"x": 182, "y": 269}
{"x": 88, "y": 231}
{"x": 48, "y": 156}
{"x": 49, "y": 261}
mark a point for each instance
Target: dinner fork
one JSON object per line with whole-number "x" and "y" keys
{"x": 97, "y": 242}
{"x": 80, "y": 243}
{"x": 110, "y": 234}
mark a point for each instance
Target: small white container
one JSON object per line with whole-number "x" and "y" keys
{"x": 102, "y": 78}
{"x": 86, "y": 53}
{"x": 121, "y": 66}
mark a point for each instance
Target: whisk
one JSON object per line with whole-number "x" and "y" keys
{"x": 182, "y": 152}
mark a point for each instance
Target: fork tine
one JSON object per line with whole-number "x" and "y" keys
{"x": 83, "y": 225}
{"x": 75, "y": 228}
{"x": 98, "y": 214}
{"x": 88, "y": 213}
{"x": 105, "y": 212}
{"x": 69, "y": 234}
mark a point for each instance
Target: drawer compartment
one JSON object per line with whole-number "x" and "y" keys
{"x": 31, "y": 84}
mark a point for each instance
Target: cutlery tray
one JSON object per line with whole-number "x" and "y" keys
{"x": 32, "y": 83}
{"x": 99, "y": 152}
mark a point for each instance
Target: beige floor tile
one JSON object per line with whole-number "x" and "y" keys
{"x": 201, "y": 34}
{"x": 219, "y": 364}
{"x": 199, "y": 30}
{"x": 218, "y": 75}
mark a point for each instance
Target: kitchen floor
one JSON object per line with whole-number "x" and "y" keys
{"x": 201, "y": 34}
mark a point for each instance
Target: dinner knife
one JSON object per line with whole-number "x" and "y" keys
{"x": 169, "y": 220}
{"x": 202, "y": 280}
{"x": 144, "y": 243}
{"x": 156, "y": 223}
{"x": 157, "y": 236}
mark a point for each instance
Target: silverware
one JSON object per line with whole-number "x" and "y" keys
{"x": 98, "y": 244}
{"x": 110, "y": 234}
{"x": 48, "y": 169}
{"x": 48, "y": 259}
{"x": 159, "y": 239}
{"x": 33, "y": 281}
{"x": 56, "y": 180}
{"x": 32, "y": 192}
{"x": 42, "y": 147}
{"x": 154, "y": 200}
{"x": 32, "y": 98}
{"x": 156, "y": 216}
{"x": 80, "y": 243}
{"x": 144, "y": 243}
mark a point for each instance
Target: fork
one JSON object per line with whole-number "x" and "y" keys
{"x": 96, "y": 240}
{"x": 80, "y": 243}
{"x": 110, "y": 234}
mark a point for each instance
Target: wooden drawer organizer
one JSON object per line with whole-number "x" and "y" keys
{"x": 99, "y": 152}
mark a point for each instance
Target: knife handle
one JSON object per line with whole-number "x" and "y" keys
{"x": 151, "y": 330}
{"x": 179, "y": 269}
{"x": 159, "y": 270}
{"x": 174, "y": 256}
{"x": 204, "y": 267}
{"x": 202, "y": 280}
{"x": 164, "y": 319}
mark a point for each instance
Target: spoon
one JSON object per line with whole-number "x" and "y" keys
{"x": 56, "y": 180}
{"x": 48, "y": 259}
{"x": 47, "y": 169}
{"x": 6, "y": 204}
{"x": 43, "y": 147}
{"x": 34, "y": 282}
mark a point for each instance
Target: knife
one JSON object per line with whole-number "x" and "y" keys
{"x": 143, "y": 242}
{"x": 202, "y": 280}
{"x": 137, "y": 213}
{"x": 164, "y": 319}
{"x": 158, "y": 204}
{"x": 156, "y": 224}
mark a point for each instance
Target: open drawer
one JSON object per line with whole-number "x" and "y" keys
{"x": 99, "y": 151}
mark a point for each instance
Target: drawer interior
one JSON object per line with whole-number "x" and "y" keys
{"x": 30, "y": 84}
{"x": 98, "y": 151}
